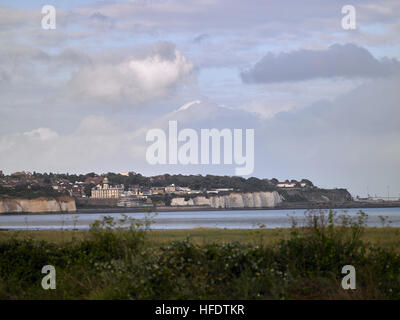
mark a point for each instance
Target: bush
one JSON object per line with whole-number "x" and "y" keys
{"x": 116, "y": 262}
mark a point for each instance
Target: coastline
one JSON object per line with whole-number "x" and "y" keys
{"x": 282, "y": 206}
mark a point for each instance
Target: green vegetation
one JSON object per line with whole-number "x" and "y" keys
{"x": 109, "y": 262}
{"x": 164, "y": 199}
{"x": 314, "y": 194}
{"x": 195, "y": 182}
{"x": 387, "y": 237}
{"x": 29, "y": 192}
{"x": 48, "y": 177}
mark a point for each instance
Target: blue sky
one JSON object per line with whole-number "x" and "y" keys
{"x": 323, "y": 101}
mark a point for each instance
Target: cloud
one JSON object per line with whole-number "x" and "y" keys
{"x": 134, "y": 80}
{"x": 97, "y": 143}
{"x": 200, "y": 38}
{"x": 351, "y": 141}
{"x": 214, "y": 16}
{"x": 11, "y": 18}
{"x": 265, "y": 109}
{"x": 335, "y": 142}
{"x": 43, "y": 134}
{"x": 347, "y": 61}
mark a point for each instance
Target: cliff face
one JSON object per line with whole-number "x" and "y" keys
{"x": 16, "y": 205}
{"x": 233, "y": 200}
{"x": 316, "y": 195}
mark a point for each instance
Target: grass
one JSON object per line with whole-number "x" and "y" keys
{"x": 386, "y": 237}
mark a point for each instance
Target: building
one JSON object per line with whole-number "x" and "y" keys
{"x": 170, "y": 189}
{"x": 291, "y": 184}
{"x": 224, "y": 189}
{"x": 182, "y": 190}
{"x": 105, "y": 191}
{"x": 212, "y": 191}
{"x": 127, "y": 173}
{"x": 383, "y": 198}
{"x": 144, "y": 192}
{"x": 134, "y": 190}
{"x": 94, "y": 180}
{"x": 78, "y": 190}
{"x": 22, "y": 173}
{"x": 157, "y": 190}
{"x": 286, "y": 184}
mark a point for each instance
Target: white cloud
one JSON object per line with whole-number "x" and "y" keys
{"x": 264, "y": 109}
{"x": 97, "y": 144}
{"x": 42, "y": 134}
{"x": 134, "y": 80}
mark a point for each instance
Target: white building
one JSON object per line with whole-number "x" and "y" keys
{"x": 105, "y": 191}
{"x": 127, "y": 173}
{"x": 290, "y": 184}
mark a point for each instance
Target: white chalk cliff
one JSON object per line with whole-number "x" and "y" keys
{"x": 17, "y": 205}
{"x": 233, "y": 200}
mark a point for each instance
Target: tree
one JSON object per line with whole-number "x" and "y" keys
{"x": 274, "y": 181}
{"x": 307, "y": 182}
{"x": 88, "y": 190}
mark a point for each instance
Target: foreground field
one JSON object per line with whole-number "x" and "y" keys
{"x": 108, "y": 262}
{"x": 387, "y": 237}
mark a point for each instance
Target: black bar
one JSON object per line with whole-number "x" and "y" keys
{"x": 200, "y": 309}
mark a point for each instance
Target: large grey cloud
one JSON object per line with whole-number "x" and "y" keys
{"x": 348, "y": 61}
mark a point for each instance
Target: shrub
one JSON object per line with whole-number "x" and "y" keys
{"x": 116, "y": 261}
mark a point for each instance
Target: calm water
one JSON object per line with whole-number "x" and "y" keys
{"x": 237, "y": 219}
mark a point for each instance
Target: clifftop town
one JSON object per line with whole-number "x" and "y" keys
{"x": 130, "y": 189}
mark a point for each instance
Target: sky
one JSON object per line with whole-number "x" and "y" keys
{"x": 323, "y": 101}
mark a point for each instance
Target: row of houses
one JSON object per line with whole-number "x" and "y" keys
{"x": 105, "y": 190}
{"x": 291, "y": 184}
